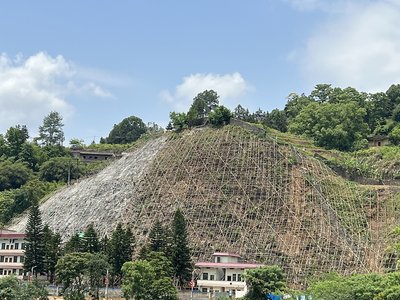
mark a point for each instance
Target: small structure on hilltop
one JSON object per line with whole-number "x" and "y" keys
{"x": 378, "y": 140}
{"x": 224, "y": 274}
{"x": 12, "y": 253}
{"x": 92, "y": 156}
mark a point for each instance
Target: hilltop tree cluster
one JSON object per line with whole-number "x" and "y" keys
{"x": 333, "y": 117}
{"x": 204, "y": 109}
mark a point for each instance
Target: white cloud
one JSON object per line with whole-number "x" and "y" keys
{"x": 32, "y": 87}
{"x": 230, "y": 87}
{"x": 360, "y": 48}
{"x": 331, "y": 6}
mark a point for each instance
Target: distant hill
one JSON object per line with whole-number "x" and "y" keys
{"x": 242, "y": 191}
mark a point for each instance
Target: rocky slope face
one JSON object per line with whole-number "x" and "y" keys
{"x": 240, "y": 192}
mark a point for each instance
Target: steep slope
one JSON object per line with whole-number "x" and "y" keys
{"x": 240, "y": 192}
{"x": 101, "y": 199}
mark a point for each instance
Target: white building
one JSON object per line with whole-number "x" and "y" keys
{"x": 12, "y": 245}
{"x": 224, "y": 274}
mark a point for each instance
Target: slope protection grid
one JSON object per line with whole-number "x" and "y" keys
{"x": 240, "y": 192}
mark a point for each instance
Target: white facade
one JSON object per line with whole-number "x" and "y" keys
{"x": 12, "y": 245}
{"x": 224, "y": 274}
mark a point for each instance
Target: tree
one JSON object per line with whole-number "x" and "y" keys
{"x": 120, "y": 249}
{"x": 204, "y": 103}
{"x": 127, "y": 131}
{"x": 148, "y": 279}
{"x": 332, "y": 125}
{"x": 50, "y": 132}
{"x": 12, "y": 289}
{"x": 74, "y": 244}
{"x": 157, "y": 237}
{"x": 60, "y": 169}
{"x": 178, "y": 120}
{"x": 242, "y": 114}
{"x": 220, "y": 116}
{"x": 34, "y": 251}
{"x": 13, "y": 175}
{"x": 264, "y": 280}
{"x": 276, "y": 119}
{"x": 16, "y": 137}
{"x": 90, "y": 240}
{"x": 71, "y": 270}
{"x": 181, "y": 260}
{"x": 52, "y": 251}
{"x": 96, "y": 271}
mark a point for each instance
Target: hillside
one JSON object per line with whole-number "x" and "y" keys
{"x": 240, "y": 192}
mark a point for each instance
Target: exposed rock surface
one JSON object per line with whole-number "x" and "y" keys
{"x": 101, "y": 199}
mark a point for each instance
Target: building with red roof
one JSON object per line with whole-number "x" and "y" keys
{"x": 223, "y": 274}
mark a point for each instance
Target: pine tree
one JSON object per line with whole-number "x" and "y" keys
{"x": 52, "y": 251}
{"x": 181, "y": 260}
{"x": 90, "y": 242}
{"x": 120, "y": 249}
{"x": 157, "y": 237}
{"x": 74, "y": 244}
{"x": 34, "y": 251}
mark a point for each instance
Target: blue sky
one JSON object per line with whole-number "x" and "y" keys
{"x": 97, "y": 62}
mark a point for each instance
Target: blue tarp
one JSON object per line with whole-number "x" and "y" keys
{"x": 273, "y": 297}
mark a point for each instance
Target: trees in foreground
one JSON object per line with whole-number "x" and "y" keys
{"x": 149, "y": 279}
{"x": 264, "y": 280}
{"x": 12, "y": 289}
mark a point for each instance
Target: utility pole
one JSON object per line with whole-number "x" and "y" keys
{"x": 106, "y": 286}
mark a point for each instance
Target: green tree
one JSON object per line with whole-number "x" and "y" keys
{"x": 220, "y": 116}
{"x": 52, "y": 251}
{"x": 51, "y": 132}
{"x": 276, "y": 119}
{"x": 295, "y": 104}
{"x": 332, "y": 125}
{"x": 16, "y": 137}
{"x": 148, "y": 280}
{"x": 13, "y": 175}
{"x": 178, "y": 120}
{"x": 127, "y": 131}
{"x": 58, "y": 169}
{"x": 12, "y": 289}
{"x": 242, "y": 114}
{"x": 90, "y": 242}
{"x": 74, "y": 244}
{"x": 264, "y": 280}
{"x": 203, "y": 104}
{"x": 157, "y": 237}
{"x": 71, "y": 271}
{"x": 96, "y": 271}
{"x": 34, "y": 251}
{"x": 120, "y": 250}
{"x": 181, "y": 260}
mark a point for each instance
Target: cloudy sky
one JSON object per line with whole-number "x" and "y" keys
{"x": 97, "y": 62}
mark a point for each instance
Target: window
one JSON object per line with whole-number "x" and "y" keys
{"x": 233, "y": 277}
{"x": 23, "y": 246}
{"x": 16, "y": 246}
{"x": 239, "y": 277}
{"x": 204, "y": 290}
{"x": 1, "y": 258}
{"x": 218, "y": 259}
{"x": 21, "y": 259}
{"x": 6, "y": 259}
{"x": 14, "y": 271}
{"x": 205, "y": 276}
{"x": 212, "y": 277}
{"x": 229, "y": 278}
{"x": 1, "y": 271}
{"x": 7, "y": 247}
{"x": 15, "y": 259}
{"x": 3, "y": 246}
{"x": 12, "y": 247}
